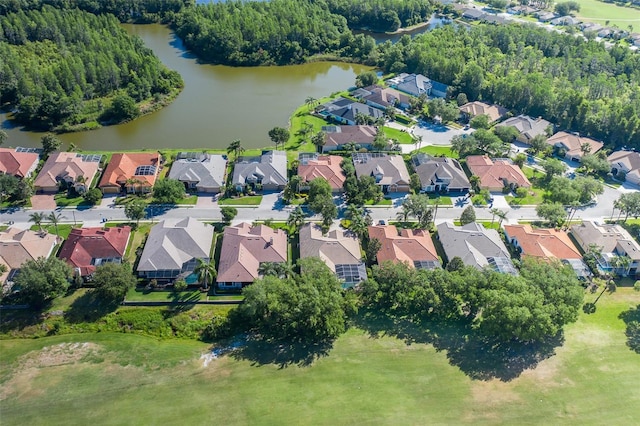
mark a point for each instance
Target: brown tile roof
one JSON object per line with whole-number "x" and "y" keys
{"x": 18, "y": 246}
{"x": 495, "y": 112}
{"x": 609, "y": 237}
{"x": 629, "y": 159}
{"x": 410, "y": 246}
{"x": 123, "y": 167}
{"x": 572, "y": 143}
{"x": 336, "y": 248}
{"x": 385, "y": 96}
{"x": 244, "y": 247}
{"x": 363, "y": 135}
{"x": 17, "y": 163}
{"x": 493, "y": 173}
{"x": 391, "y": 168}
{"x": 86, "y": 244}
{"x": 65, "y": 165}
{"x": 325, "y": 166}
{"x": 544, "y": 243}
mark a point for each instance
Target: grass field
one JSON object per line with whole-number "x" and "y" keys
{"x": 600, "y": 12}
{"x": 121, "y": 379}
{"x": 253, "y": 200}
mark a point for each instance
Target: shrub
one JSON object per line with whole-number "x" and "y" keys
{"x": 521, "y": 192}
{"x": 636, "y": 286}
{"x": 180, "y": 285}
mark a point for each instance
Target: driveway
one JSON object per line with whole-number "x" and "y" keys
{"x": 207, "y": 200}
{"x": 43, "y": 202}
{"x": 499, "y": 201}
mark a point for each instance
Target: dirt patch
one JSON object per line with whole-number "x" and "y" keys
{"x": 487, "y": 398}
{"x": 64, "y": 353}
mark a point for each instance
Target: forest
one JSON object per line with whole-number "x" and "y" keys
{"x": 381, "y": 15}
{"x": 577, "y": 84}
{"x": 61, "y": 69}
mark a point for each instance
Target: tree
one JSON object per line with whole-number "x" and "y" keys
{"x": 206, "y": 271}
{"x": 418, "y": 206}
{"x": 498, "y": 4}
{"x": 135, "y": 210}
{"x": 168, "y": 191}
{"x": 629, "y": 204}
{"x": 566, "y": 7}
{"x": 3, "y": 137}
{"x": 490, "y": 143}
{"x": 468, "y": 215}
{"x": 520, "y": 159}
{"x": 539, "y": 145}
{"x": 274, "y": 269}
{"x": 553, "y": 167}
{"x": 8, "y": 185}
{"x": 37, "y": 218}
{"x": 112, "y": 281}
{"x": 292, "y": 188}
{"x": 279, "y": 136}
{"x": 319, "y": 139}
{"x": 415, "y": 184}
{"x": 235, "y": 148}
{"x": 54, "y": 219}
{"x": 367, "y": 78}
{"x": 464, "y": 145}
{"x": 180, "y": 285}
{"x": 373, "y": 247}
{"x": 308, "y": 308}
{"x": 455, "y": 264}
{"x": 42, "y": 280}
{"x": 228, "y": 213}
{"x": 380, "y": 141}
{"x": 554, "y": 213}
{"x": 507, "y": 134}
{"x": 123, "y": 108}
{"x": 50, "y": 143}
{"x": 92, "y": 196}
{"x": 296, "y": 219}
{"x": 594, "y": 164}
{"x": 480, "y": 121}
{"x": 319, "y": 193}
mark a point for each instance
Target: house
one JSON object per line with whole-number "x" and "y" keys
{"x": 625, "y": 165}
{"x": 200, "y": 171}
{"x": 244, "y": 248}
{"x": 346, "y": 111}
{"x": 528, "y": 127}
{"x": 87, "y": 248}
{"x": 67, "y": 168}
{"x": 17, "y": 163}
{"x": 328, "y": 167}
{"x": 418, "y": 84}
{"x": 548, "y": 244}
{"x": 473, "y": 14}
{"x": 495, "y": 19}
{"x": 591, "y": 27}
{"x": 471, "y": 109}
{"x": 269, "y": 171}
{"x": 413, "y": 247}
{"x": 565, "y": 20}
{"x": 440, "y": 174}
{"x": 614, "y": 243}
{"x": 131, "y": 173}
{"x": 390, "y": 171}
{"x": 18, "y": 246}
{"x": 173, "y": 248}
{"x": 521, "y": 10}
{"x": 497, "y": 174}
{"x": 634, "y": 38}
{"x": 569, "y": 145}
{"x": 545, "y": 16}
{"x": 339, "y": 250}
{"x": 476, "y": 246}
{"x": 382, "y": 97}
{"x": 339, "y": 136}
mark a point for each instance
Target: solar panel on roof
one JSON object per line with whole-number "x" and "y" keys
{"x": 145, "y": 171}
{"x": 23, "y": 149}
{"x": 426, "y": 264}
{"x": 502, "y": 264}
{"x": 351, "y": 272}
{"x": 90, "y": 158}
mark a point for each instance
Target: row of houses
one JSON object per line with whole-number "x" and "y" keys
{"x": 174, "y": 248}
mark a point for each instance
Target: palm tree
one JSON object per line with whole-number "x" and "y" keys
{"x": 585, "y": 148}
{"x": 502, "y": 215}
{"x": 296, "y": 219}
{"x": 206, "y": 272}
{"x": 236, "y": 148}
{"x": 353, "y": 211}
{"x": 72, "y": 147}
{"x": 310, "y": 101}
{"x": 475, "y": 182}
{"x": 620, "y": 264}
{"x": 268, "y": 269}
{"x": 493, "y": 212}
{"x": 574, "y": 208}
{"x": 319, "y": 139}
{"x": 37, "y": 218}
{"x": 55, "y": 218}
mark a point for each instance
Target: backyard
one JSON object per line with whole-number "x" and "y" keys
{"x": 428, "y": 376}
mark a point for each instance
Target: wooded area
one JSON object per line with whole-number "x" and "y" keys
{"x": 61, "y": 68}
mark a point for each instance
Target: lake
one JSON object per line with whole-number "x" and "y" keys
{"x": 218, "y": 104}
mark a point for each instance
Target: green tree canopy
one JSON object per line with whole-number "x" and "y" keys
{"x": 112, "y": 281}
{"x": 42, "y": 280}
{"x": 168, "y": 191}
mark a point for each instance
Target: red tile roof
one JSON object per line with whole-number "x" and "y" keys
{"x": 123, "y": 167}
{"x": 325, "y": 166}
{"x": 544, "y": 243}
{"x": 409, "y": 246}
{"x": 17, "y": 163}
{"x": 85, "y": 244}
{"x": 493, "y": 173}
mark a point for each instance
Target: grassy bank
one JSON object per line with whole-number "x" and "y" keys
{"x": 432, "y": 378}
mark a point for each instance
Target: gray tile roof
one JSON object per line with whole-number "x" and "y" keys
{"x": 270, "y": 168}
{"x": 206, "y": 170}
{"x": 439, "y": 170}
{"x": 474, "y": 244}
{"x": 174, "y": 242}
{"x": 390, "y": 168}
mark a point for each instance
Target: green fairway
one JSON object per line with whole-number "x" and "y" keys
{"x": 122, "y": 379}
{"x": 601, "y": 12}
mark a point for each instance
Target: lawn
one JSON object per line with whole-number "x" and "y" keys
{"x": 62, "y": 200}
{"x": 253, "y": 200}
{"x": 600, "y": 12}
{"x": 136, "y": 240}
{"x": 592, "y": 378}
{"x": 142, "y": 295}
{"x": 63, "y": 229}
{"x": 188, "y": 200}
{"x": 384, "y": 202}
{"x": 439, "y": 150}
{"x": 398, "y": 135}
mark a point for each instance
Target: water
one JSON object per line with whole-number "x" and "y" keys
{"x": 434, "y": 22}
{"x": 219, "y": 104}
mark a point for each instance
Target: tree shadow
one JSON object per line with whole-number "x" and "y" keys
{"x": 480, "y": 357}
{"x": 283, "y": 354}
{"x": 88, "y": 308}
{"x": 15, "y": 321}
{"x": 632, "y": 319}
